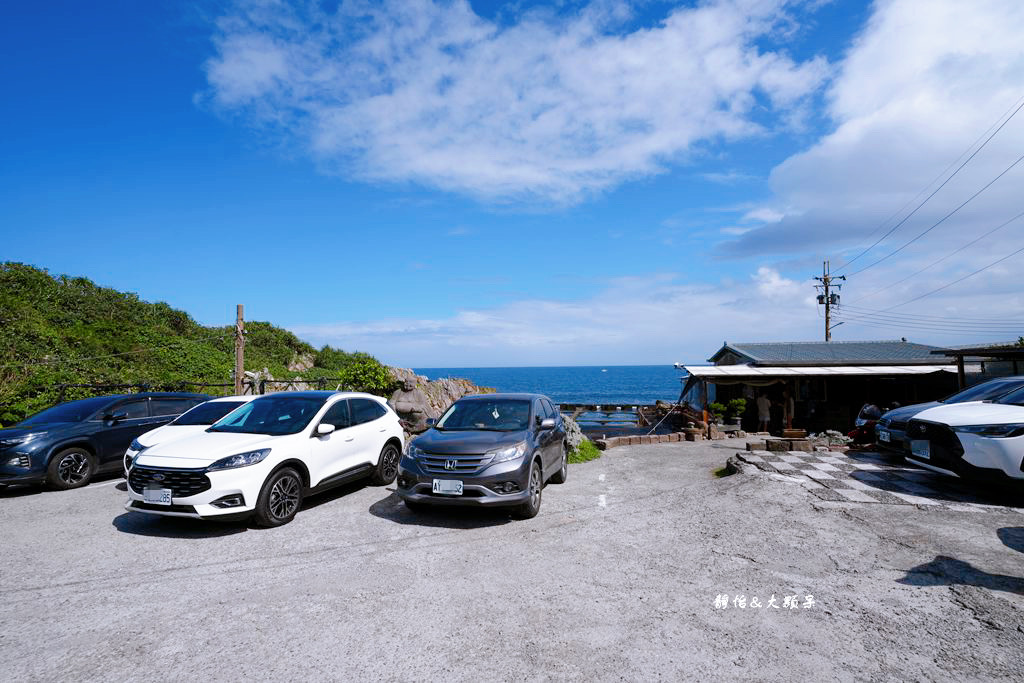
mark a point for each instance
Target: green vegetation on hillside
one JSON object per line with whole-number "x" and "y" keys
{"x": 67, "y": 330}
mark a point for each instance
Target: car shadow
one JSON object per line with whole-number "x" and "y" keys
{"x": 22, "y": 490}
{"x": 394, "y": 510}
{"x": 1012, "y": 537}
{"x": 141, "y": 524}
{"x": 949, "y": 571}
{"x": 330, "y": 495}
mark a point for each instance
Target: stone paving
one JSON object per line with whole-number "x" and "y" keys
{"x": 867, "y": 477}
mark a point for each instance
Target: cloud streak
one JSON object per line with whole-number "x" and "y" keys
{"x": 544, "y": 107}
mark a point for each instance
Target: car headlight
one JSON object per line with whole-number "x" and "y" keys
{"x": 995, "y": 431}
{"x": 507, "y": 453}
{"x": 413, "y": 452}
{"x": 13, "y": 441}
{"x": 239, "y": 460}
{"x": 136, "y": 446}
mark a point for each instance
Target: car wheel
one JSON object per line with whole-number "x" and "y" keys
{"x": 72, "y": 468}
{"x": 531, "y": 507}
{"x": 387, "y": 466}
{"x": 562, "y": 474}
{"x": 280, "y": 498}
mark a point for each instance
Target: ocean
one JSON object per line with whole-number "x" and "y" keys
{"x": 601, "y": 385}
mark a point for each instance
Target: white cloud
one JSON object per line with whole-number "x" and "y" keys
{"x": 545, "y": 107}
{"x": 651, "y": 319}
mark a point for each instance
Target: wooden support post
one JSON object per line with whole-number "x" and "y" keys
{"x": 961, "y": 376}
{"x": 239, "y": 347}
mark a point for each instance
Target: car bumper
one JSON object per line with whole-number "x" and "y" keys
{"x": 971, "y": 456}
{"x": 242, "y": 485}
{"x": 415, "y": 485}
{"x": 897, "y": 442}
{"x": 19, "y": 475}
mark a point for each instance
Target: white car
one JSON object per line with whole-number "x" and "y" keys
{"x": 193, "y": 421}
{"x": 263, "y": 458}
{"x": 974, "y": 440}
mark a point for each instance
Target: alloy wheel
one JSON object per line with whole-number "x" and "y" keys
{"x": 284, "y": 497}
{"x": 73, "y": 468}
{"x": 535, "y": 486}
{"x": 390, "y": 465}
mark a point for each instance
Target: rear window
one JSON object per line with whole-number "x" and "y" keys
{"x": 365, "y": 410}
{"x": 169, "y": 406}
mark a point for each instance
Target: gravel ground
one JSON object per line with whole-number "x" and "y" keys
{"x": 617, "y": 578}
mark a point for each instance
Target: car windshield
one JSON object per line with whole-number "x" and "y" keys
{"x": 489, "y": 415}
{"x": 1015, "y": 397}
{"x": 72, "y": 411}
{"x": 207, "y": 413}
{"x": 271, "y": 415}
{"x": 986, "y": 391}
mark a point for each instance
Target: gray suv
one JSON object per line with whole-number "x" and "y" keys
{"x": 492, "y": 450}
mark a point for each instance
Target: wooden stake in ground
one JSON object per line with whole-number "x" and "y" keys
{"x": 239, "y": 348}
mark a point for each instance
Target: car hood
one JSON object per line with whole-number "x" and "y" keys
{"x": 978, "y": 413}
{"x": 906, "y": 412}
{"x": 19, "y": 432}
{"x": 170, "y": 432}
{"x": 466, "y": 443}
{"x": 204, "y": 448}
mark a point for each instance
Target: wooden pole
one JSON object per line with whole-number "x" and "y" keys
{"x": 239, "y": 347}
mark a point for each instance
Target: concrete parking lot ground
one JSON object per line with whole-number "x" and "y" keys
{"x": 617, "y": 578}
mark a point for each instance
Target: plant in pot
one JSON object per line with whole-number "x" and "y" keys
{"x": 736, "y": 408}
{"x": 718, "y": 412}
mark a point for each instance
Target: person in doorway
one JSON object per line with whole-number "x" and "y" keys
{"x": 788, "y": 408}
{"x": 764, "y": 412}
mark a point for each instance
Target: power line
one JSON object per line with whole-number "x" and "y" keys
{"x": 958, "y": 280}
{"x": 893, "y": 322}
{"x": 895, "y": 325}
{"x": 940, "y": 221}
{"x": 1008, "y": 326}
{"x": 940, "y": 318}
{"x": 935, "y": 263}
{"x": 934, "y": 192}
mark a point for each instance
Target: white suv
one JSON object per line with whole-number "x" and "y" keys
{"x": 265, "y": 456}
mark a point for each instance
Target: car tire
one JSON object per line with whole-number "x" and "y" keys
{"x": 280, "y": 498}
{"x": 387, "y": 465}
{"x": 562, "y": 474}
{"x": 71, "y": 468}
{"x": 530, "y": 508}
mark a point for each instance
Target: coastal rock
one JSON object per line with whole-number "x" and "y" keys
{"x": 440, "y": 393}
{"x": 301, "y": 362}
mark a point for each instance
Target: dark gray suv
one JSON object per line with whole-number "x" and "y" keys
{"x": 492, "y": 450}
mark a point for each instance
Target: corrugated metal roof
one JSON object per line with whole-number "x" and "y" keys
{"x": 832, "y": 353}
{"x": 712, "y": 371}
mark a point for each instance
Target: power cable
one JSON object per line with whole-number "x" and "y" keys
{"x": 936, "y": 190}
{"x": 940, "y": 221}
{"x": 928, "y": 318}
{"x": 935, "y": 263}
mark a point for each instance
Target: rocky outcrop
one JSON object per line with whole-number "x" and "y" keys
{"x": 301, "y": 362}
{"x": 439, "y": 393}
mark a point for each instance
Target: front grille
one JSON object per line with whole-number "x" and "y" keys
{"x": 461, "y": 464}
{"x": 896, "y": 424}
{"x": 187, "y": 509}
{"x": 181, "y": 482}
{"x": 945, "y": 449}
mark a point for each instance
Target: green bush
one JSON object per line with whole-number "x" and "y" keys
{"x": 584, "y": 452}
{"x": 718, "y": 410}
{"x": 737, "y": 407}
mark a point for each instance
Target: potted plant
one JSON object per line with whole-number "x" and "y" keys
{"x": 736, "y": 408}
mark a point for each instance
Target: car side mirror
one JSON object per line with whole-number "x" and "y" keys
{"x": 431, "y": 421}
{"x": 547, "y": 423}
{"x": 114, "y": 417}
{"x": 323, "y": 429}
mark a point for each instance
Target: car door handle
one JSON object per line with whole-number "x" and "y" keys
{"x": 351, "y": 438}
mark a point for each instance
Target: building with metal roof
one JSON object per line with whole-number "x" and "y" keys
{"x": 831, "y": 353}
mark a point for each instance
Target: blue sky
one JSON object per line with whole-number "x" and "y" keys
{"x": 471, "y": 184}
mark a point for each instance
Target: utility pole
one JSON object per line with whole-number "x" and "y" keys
{"x": 828, "y": 297}
{"x": 239, "y": 347}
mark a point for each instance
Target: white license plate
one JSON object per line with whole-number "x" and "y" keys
{"x": 883, "y": 435}
{"x": 920, "y": 449}
{"x": 451, "y": 487}
{"x": 157, "y": 496}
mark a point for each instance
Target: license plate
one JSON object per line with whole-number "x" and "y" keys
{"x": 157, "y": 496}
{"x": 920, "y": 449}
{"x": 451, "y": 487}
{"x": 883, "y": 435}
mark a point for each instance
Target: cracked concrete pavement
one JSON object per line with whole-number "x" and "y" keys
{"x": 615, "y": 579}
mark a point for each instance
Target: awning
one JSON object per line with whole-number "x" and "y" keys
{"x": 730, "y": 372}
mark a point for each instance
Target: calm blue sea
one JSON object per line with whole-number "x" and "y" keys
{"x": 603, "y": 385}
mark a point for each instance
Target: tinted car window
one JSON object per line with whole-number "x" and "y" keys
{"x": 169, "y": 406}
{"x": 207, "y": 413}
{"x": 549, "y": 409}
{"x": 490, "y": 415}
{"x": 1013, "y": 398}
{"x": 131, "y": 409}
{"x": 337, "y": 415}
{"x": 72, "y": 411}
{"x": 271, "y": 415}
{"x": 365, "y": 410}
{"x": 986, "y": 391}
